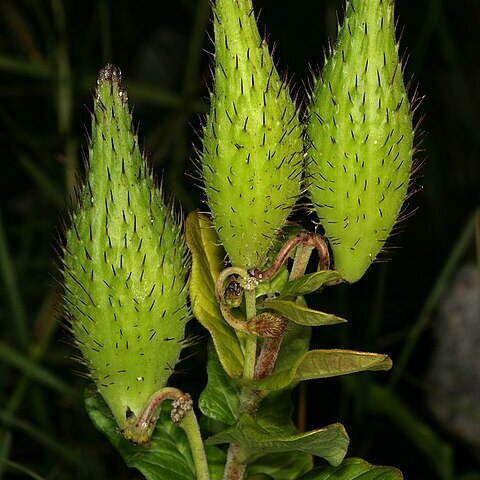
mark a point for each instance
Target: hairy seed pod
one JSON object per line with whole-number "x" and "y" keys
{"x": 360, "y": 126}
{"x": 252, "y": 149}
{"x": 125, "y": 264}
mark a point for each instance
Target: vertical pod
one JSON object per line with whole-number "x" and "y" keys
{"x": 252, "y": 157}
{"x": 360, "y": 128}
{"x": 125, "y": 264}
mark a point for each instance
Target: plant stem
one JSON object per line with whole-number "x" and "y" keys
{"x": 234, "y": 469}
{"x": 147, "y": 416}
{"x": 271, "y": 347}
{"x": 268, "y": 357}
{"x": 251, "y": 343}
{"x": 300, "y": 262}
{"x": 192, "y": 430}
{"x": 249, "y": 398}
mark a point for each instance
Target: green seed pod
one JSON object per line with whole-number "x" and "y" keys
{"x": 360, "y": 126}
{"x": 125, "y": 264}
{"x": 252, "y": 148}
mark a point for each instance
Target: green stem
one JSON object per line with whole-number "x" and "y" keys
{"x": 271, "y": 346}
{"x": 235, "y": 465}
{"x": 249, "y": 399}
{"x": 251, "y": 342}
{"x": 300, "y": 262}
{"x": 192, "y": 430}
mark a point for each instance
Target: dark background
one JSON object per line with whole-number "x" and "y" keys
{"x": 50, "y": 52}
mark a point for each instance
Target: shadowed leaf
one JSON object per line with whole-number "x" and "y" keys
{"x": 221, "y": 398}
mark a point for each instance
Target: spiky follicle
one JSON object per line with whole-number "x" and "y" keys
{"x": 360, "y": 126}
{"x": 252, "y": 149}
{"x": 125, "y": 264}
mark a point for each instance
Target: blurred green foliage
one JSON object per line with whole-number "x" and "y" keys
{"x": 50, "y": 53}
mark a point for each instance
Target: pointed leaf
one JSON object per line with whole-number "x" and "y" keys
{"x": 168, "y": 454}
{"x": 302, "y": 315}
{"x": 207, "y": 258}
{"x": 324, "y": 364}
{"x": 309, "y": 283}
{"x": 353, "y": 469}
{"x": 329, "y": 443}
{"x": 332, "y": 363}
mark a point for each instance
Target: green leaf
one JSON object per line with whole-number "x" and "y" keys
{"x": 207, "y": 259}
{"x": 220, "y": 401}
{"x": 275, "y": 413}
{"x": 332, "y": 363}
{"x": 353, "y": 469}
{"x": 309, "y": 283}
{"x": 280, "y": 466}
{"x": 216, "y": 459}
{"x": 300, "y": 314}
{"x": 329, "y": 443}
{"x": 273, "y": 286}
{"x": 324, "y": 364}
{"x": 221, "y": 398}
{"x": 168, "y": 455}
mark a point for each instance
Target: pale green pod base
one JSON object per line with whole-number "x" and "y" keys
{"x": 252, "y": 151}
{"x": 360, "y": 126}
{"x": 125, "y": 265}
